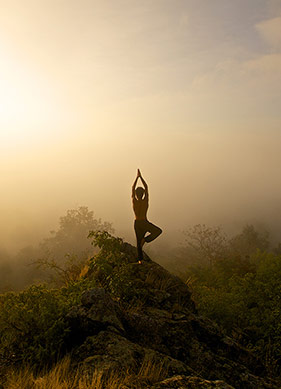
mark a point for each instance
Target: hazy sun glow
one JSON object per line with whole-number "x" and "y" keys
{"x": 187, "y": 91}
{"x": 27, "y": 106}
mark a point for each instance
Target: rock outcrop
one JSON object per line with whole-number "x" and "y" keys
{"x": 161, "y": 325}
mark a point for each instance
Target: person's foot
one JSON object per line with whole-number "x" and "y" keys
{"x": 140, "y": 262}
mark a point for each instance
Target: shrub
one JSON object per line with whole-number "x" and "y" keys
{"x": 110, "y": 267}
{"x": 244, "y": 301}
{"x": 33, "y": 325}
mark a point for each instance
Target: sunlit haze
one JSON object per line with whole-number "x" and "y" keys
{"x": 187, "y": 91}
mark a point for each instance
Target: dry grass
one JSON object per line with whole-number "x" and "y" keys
{"x": 152, "y": 371}
{"x": 135, "y": 307}
{"x": 84, "y": 271}
{"x": 161, "y": 281}
{"x": 62, "y": 376}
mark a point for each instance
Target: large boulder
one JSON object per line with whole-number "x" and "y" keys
{"x": 111, "y": 351}
{"x": 96, "y": 313}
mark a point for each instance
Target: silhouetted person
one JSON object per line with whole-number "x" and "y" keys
{"x": 142, "y": 225}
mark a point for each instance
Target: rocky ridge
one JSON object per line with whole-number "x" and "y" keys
{"x": 161, "y": 325}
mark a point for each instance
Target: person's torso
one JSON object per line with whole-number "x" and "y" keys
{"x": 140, "y": 208}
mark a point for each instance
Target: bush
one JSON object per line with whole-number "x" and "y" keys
{"x": 244, "y": 301}
{"x": 33, "y": 325}
{"x": 110, "y": 268}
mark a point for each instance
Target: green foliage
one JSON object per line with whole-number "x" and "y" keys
{"x": 236, "y": 283}
{"x": 33, "y": 323}
{"x": 106, "y": 242}
{"x": 110, "y": 267}
{"x": 244, "y": 297}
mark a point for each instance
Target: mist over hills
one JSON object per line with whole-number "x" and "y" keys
{"x": 69, "y": 239}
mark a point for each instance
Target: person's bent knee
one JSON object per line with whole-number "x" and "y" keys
{"x": 159, "y": 231}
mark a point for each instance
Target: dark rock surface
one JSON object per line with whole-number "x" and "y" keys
{"x": 97, "y": 312}
{"x": 165, "y": 328}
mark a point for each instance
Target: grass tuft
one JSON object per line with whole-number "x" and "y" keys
{"x": 62, "y": 376}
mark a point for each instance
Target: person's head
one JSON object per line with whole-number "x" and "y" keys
{"x": 139, "y": 193}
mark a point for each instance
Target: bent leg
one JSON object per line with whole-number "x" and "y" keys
{"x": 154, "y": 232}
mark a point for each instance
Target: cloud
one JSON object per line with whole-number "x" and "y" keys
{"x": 267, "y": 65}
{"x": 270, "y": 31}
{"x": 246, "y": 75}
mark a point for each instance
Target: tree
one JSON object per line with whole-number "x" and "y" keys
{"x": 249, "y": 241}
{"x": 70, "y": 240}
{"x": 65, "y": 254}
{"x": 208, "y": 243}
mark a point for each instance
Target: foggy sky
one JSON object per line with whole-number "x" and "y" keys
{"x": 187, "y": 91}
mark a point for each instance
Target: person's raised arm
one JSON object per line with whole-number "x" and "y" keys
{"x": 144, "y": 184}
{"x": 134, "y": 185}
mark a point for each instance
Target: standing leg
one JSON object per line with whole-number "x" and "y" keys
{"x": 139, "y": 235}
{"x": 154, "y": 232}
